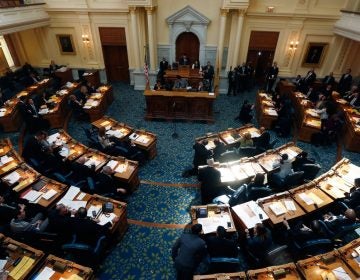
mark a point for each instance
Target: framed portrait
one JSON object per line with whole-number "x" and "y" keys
{"x": 315, "y": 54}
{"x": 66, "y": 44}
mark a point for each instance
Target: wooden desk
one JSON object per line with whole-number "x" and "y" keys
{"x": 28, "y": 256}
{"x": 93, "y": 77}
{"x": 309, "y": 197}
{"x": 114, "y": 128}
{"x": 9, "y": 161}
{"x": 192, "y": 75}
{"x": 126, "y": 172}
{"x": 146, "y": 141}
{"x": 49, "y": 185}
{"x": 350, "y": 253}
{"x": 64, "y": 76}
{"x": 95, "y": 158}
{"x": 333, "y": 185}
{"x": 57, "y": 114}
{"x": 98, "y": 103}
{"x": 5, "y": 146}
{"x": 287, "y": 271}
{"x": 310, "y": 125}
{"x": 26, "y": 176}
{"x": 247, "y": 215}
{"x": 346, "y": 170}
{"x": 222, "y": 276}
{"x": 232, "y": 136}
{"x": 51, "y": 263}
{"x": 120, "y": 211}
{"x": 352, "y": 130}
{"x": 265, "y": 110}
{"x": 179, "y": 105}
{"x": 268, "y": 160}
{"x": 320, "y": 267}
{"x": 217, "y": 215}
{"x": 72, "y": 149}
{"x": 210, "y": 137}
{"x": 278, "y": 201}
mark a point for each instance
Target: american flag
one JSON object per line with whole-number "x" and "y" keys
{"x": 146, "y": 71}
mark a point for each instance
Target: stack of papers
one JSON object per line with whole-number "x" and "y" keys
{"x": 226, "y": 174}
{"x": 91, "y": 162}
{"x": 277, "y": 208}
{"x": 43, "y": 111}
{"x": 115, "y": 133}
{"x": 69, "y": 85}
{"x": 2, "y": 112}
{"x": 290, "y": 205}
{"x": 112, "y": 164}
{"x": 53, "y": 137}
{"x": 68, "y": 201}
{"x": 5, "y": 159}
{"x": 62, "y": 92}
{"x": 341, "y": 274}
{"x": 229, "y": 139}
{"x": 143, "y": 139}
{"x": 33, "y": 196}
{"x": 121, "y": 168}
{"x": 133, "y": 136}
{"x": 254, "y": 134}
{"x": 105, "y": 218}
{"x": 271, "y": 112}
{"x": 12, "y": 178}
{"x": 49, "y": 194}
{"x": 46, "y": 273}
{"x": 210, "y": 224}
{"x": 23, "y": 267}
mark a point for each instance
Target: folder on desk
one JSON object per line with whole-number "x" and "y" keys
{"x": 277, "y": 208}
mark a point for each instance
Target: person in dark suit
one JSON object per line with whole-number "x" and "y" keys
{"x": 310, "y": 77}
{"x": 187, "y": 253}
{"x": 263, "y": 141}
{"x": 335, "y": 222}
{"x": 256, "y": 188}
{"x": 271, "y": 77}
{"x": 210, "y": 179}
{"x": 231, "y": 82}
{"x": 345, "y": 82}
{"x": 7, "y": 210}
{"x": 260, "y": 241}
{"x": 300, "y": 160}
{"x": 34, "y": 147}
{"x": 327, "y": 91}
{"x": 22, "y": 223}
{"x": 164, "y": 65}
{"x": 60, "y": 221}
{"x": 201, "y": 153}
{"x": 87, "y": 229}
{"x": 354, "y": 99}
{"x": 184, "y": 60}
{"x": 353, "y": 198}
{"x": 208, "y": 71}
{"x": 220, "y": 246}
{"x": 106, "y": 185}
{"x": 245, "y": 112}
{"x": 242, "y": 76}
{"x": 219, "y": 149}
{"x": 80, "y": 170}
{"x": 328, "y": 80}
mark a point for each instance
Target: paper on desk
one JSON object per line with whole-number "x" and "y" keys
{"x": 5, "y": 159}
{"x": 87, "y": 107}
{"x": 290, "y": 152}
{"x": 2, "y": 264}
{"x": 352, "y": 173}
{"x": 271, "y": 112}
{"x": 341, "y": 274}
{"x": 2, "y": 113}
{"x": 143, "y": 139}
{"x": 210, "y": 224}
{"x": 32, "y": 195}
{"x": 22, "y": 267}
{"x": 307, "y": 199}
{"x": 49, "y": 194}
{"x": 238, "y": 171}
{"x": 71, "y": 193}
{"x": 133, "y": 136}
{"x": 226, "y": 174}
{"x": 81, "y": 196}
{"x": 277, "y": 208}
{"x": 315, "y": 198}
{"x": 45, "y": 274}
{"x": 106, "y": 218}
{"x": 93, "y": 208}
{"x": 121, "y": 168}
{"x": 248, "y": 169}
{"x": 74, "y": 204}
{"x": 112, "y": 164}
{"x": 254, "y": 134}
{"x": 229, "y": 139}
{"x": 43, "y": 111}
{"x": 91, "y": 162}
{"x": 12, "y": 178}
{"x": 53, "y": 137}
{"x": 290, "y": 205}
{"x": 64, "y": 152}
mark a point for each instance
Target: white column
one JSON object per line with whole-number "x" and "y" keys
{"x": 238, "y": 37}
{"x": 134, "y": 30}
{"x": 152, "y": 40}
{"x": 223, "y": 15}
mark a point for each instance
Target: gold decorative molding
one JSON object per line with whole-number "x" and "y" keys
{"x": 224, "y": 12}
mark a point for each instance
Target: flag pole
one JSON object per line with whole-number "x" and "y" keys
{"x": 146, "y": 70}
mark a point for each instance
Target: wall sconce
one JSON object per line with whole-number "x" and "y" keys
{"x": 85, "y": 39}
{"x": 270, "y": 9}
{"x": 293, "y": 45}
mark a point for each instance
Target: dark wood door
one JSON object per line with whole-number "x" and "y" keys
{"x": 188, "y": 43}
{"x": 116, "y": 63}
{"x": 261, "y": 51}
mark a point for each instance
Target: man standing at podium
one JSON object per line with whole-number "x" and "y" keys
{"x": 184, "y": 60}
{"x": 209, "y": 73}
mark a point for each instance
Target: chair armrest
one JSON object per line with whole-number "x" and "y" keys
{"x": 224, "y": 260}
{"x": 99, "y": 244}
{"x": 76, "y": 246}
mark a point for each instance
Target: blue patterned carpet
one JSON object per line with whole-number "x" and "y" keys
{"x": 144, "y": 253}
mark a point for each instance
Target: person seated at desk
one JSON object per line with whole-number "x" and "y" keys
{"x": 107, "y": 145}
{"x": 201, "y": 153}
{"x": 53, "y": 67}
{"x": 245, "y": 112}
{"x": 210, "y": 179}
{"x": 80, "y": 170}
{"x": 87, "y": 229}
{"x": 299, "y": 83}
{"x": 259, "y": 241}
{"x": 196, "y": 65}
{"x": 90, "y": 87}
{"x": 352, "y": 199}
{"x": 158, "y": 85}
{"x": 300, "y": 160}
{"x": 106, "y": 185}
{"x": 77, "y": 107}
{"x": 354, "y": 99}
{"x": 263, "y": 141}
{"x": 246, "y": 141}
{"x": 35, "y": 148}
{"x": 328, "y": 80}
{"x": 285, "y": 168}
{"x": 335, "y": 222}
{"x": 187, "y": 253}
{"x": 327, "y": 91}
{"x": 84, "y": 93}
{"x": 7, "y": 210}
{"x": 256, "y": 188}
{"x": 184, "y": 60}
{"x": 60, "y": 220}
{"x": 201, "y": 87}
{"x": 33, "y": 79}
{"x": 219, "y": 149}
{"x": 180, "y": 82}
{"x": 220, "y": 246}
{"x": 21, "y": 223}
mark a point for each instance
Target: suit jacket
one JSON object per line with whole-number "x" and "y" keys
{"x": 163, "y": 65}
{"x": 218, "y": 150}
{"x": 188, "y": 250}
{"x": 34, "y": 149}
{"x": 221, "y": 247}
{"x": 81, "y": 171}
{"x": 105, "y": 184}
{"x": 210, "y": 184}
{"x": 88, "y": 231}
{"x": 345, "y": 83}
{"x": 184, "y": 61}
{"x": 263, "y": 140}
{"x": 201, "y": 154}
{"x": 273, "y": 72}
{"x": 310, "y": 78}
{"x": 328, "y": 80}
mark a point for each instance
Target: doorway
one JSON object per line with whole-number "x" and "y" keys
{"x": 113, "y": 42}
{"x": 261, "y": 52}
{"x": 188, "y": 43}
